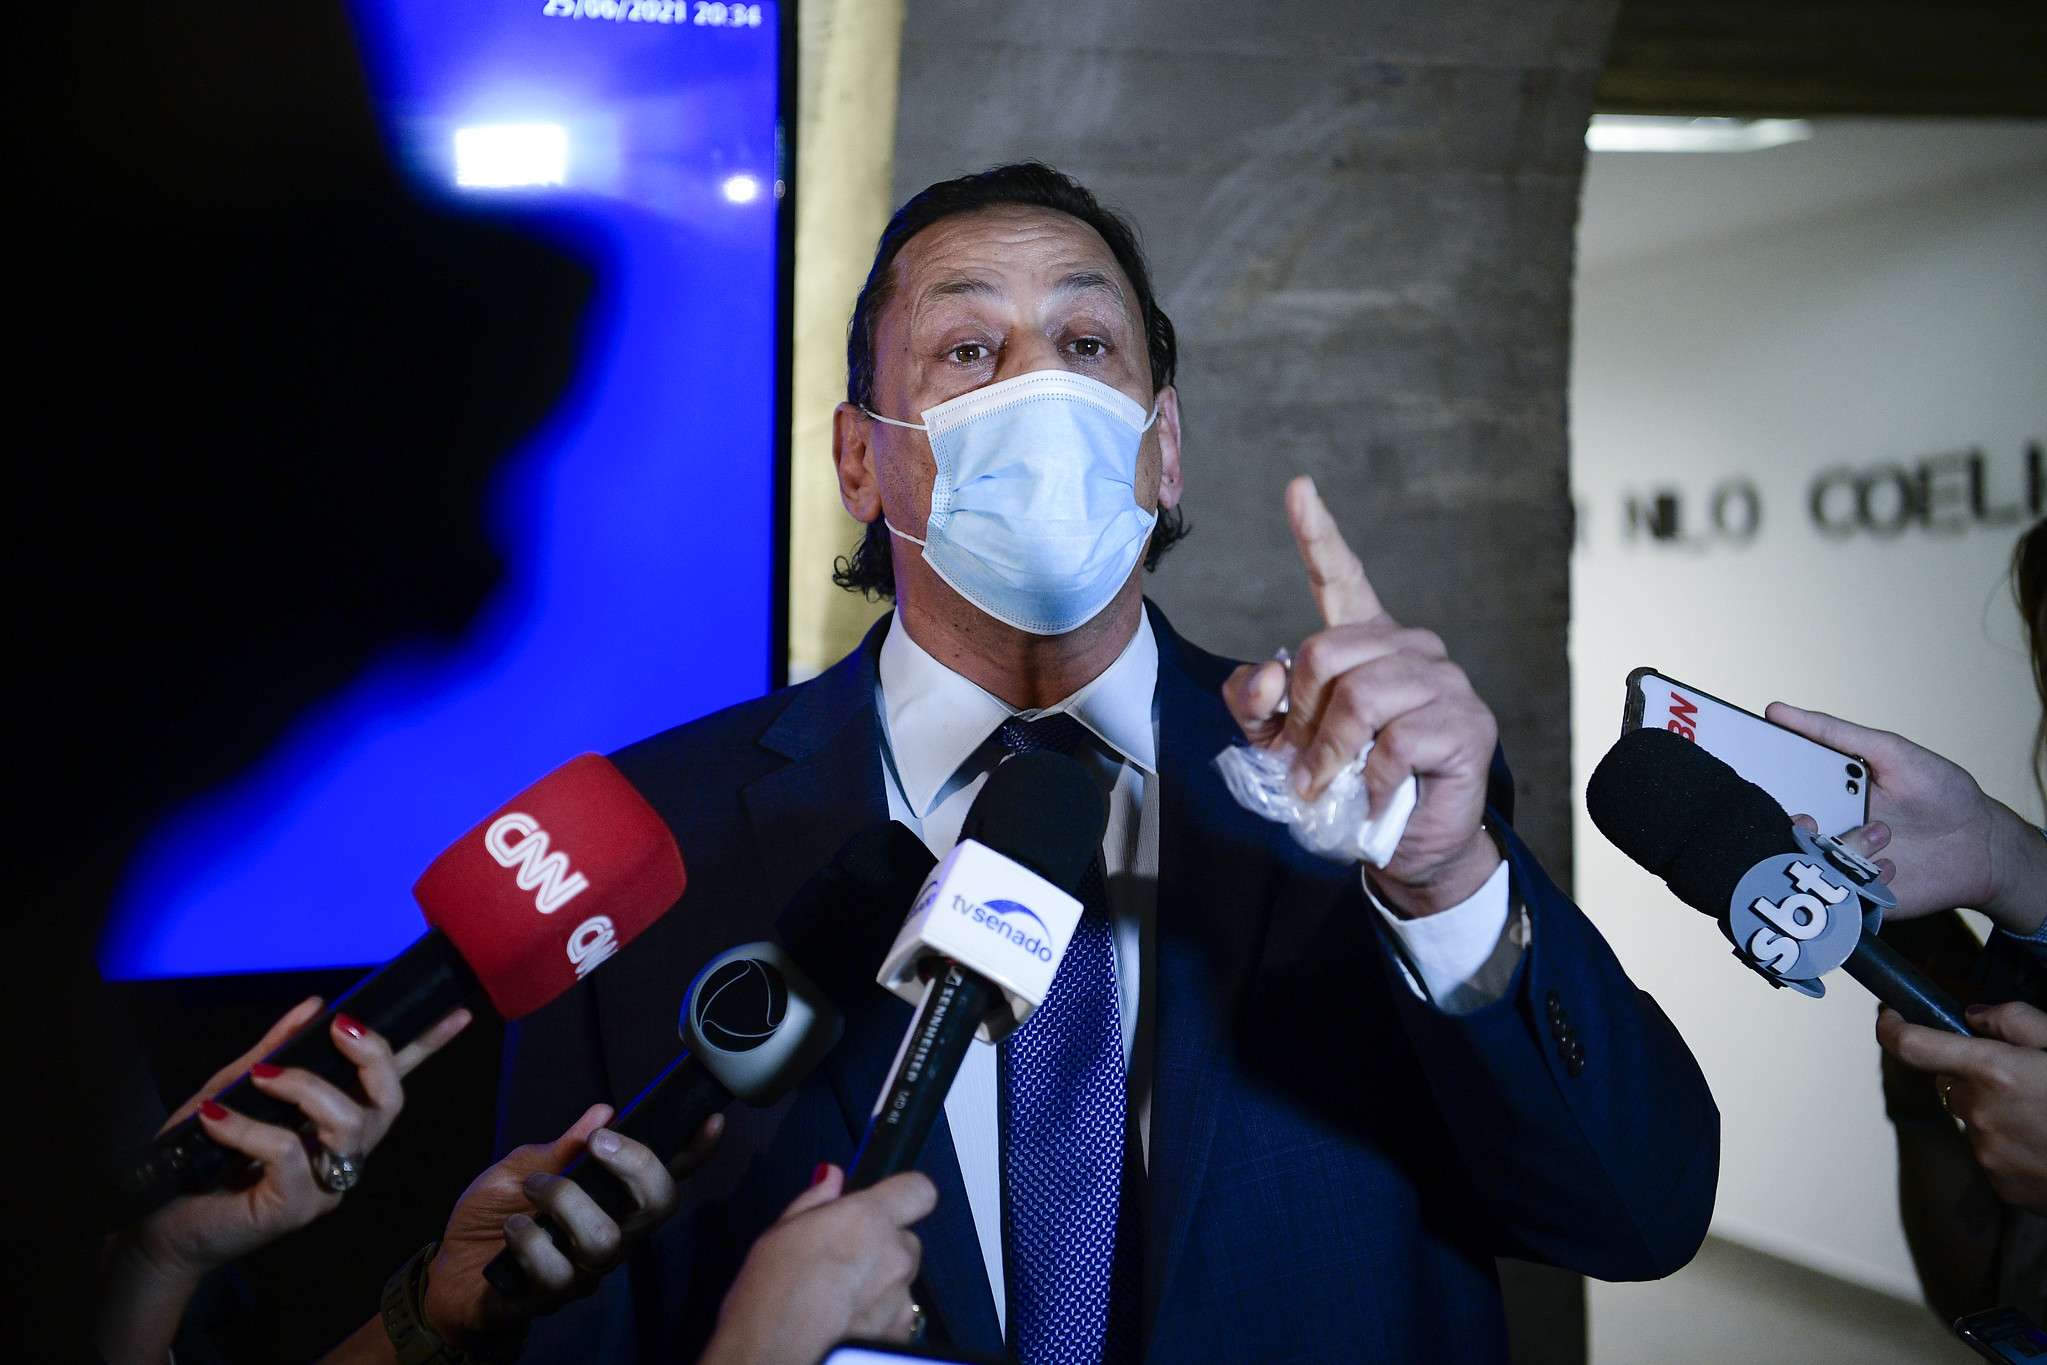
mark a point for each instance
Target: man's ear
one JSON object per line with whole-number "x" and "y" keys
{"x": 859, "y": 487}
{"x": 1170, "y": 485}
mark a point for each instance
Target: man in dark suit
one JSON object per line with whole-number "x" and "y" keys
{"x": 1276, "y": 1107}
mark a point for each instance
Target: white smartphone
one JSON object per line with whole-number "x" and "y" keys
{"x": 884, "y": 1353}
{"x": 1807, "y": 778}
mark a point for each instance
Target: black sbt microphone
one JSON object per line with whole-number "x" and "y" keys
{"x": 983, "y": 941}
{"x": 1795, "y": 905}
{"x": 758, "y": 1018}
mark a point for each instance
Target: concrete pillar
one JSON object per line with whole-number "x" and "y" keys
{"x": 1361, "y": 217}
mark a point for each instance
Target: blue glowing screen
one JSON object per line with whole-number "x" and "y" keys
{"x": 638, "y": 525}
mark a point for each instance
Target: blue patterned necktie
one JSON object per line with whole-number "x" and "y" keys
{"x": 1072, "y": 1264}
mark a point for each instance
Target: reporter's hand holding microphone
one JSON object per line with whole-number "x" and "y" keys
{"x": 1945, "y": 843}
{"x": 834, "y": 1266}
{"x": 154, "y": 1265}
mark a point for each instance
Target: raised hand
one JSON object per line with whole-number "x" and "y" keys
{"x": 1367, "y": 678}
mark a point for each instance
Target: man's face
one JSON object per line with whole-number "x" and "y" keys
{"x": 990, "y": 295}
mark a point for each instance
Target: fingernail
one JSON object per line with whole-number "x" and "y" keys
{"x": 818, "y": 1173}
{"x": 211, "y": 1112}
{"x": 604, "y": 1142}
{"x": 265, "y": 1070}
{"x": 518, "y": 1222}
{"x": 536, "y": 1182}
{"x": 348, "y": 1026}
{"x": 1975, "y": 1011}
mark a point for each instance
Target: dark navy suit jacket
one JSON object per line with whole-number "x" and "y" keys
{"x": 1334, "y": 1162}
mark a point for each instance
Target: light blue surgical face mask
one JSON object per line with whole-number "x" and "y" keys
{"x": 1034, "y": 515}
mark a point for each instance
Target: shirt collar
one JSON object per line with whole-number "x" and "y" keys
{"x": 936, "y": 719}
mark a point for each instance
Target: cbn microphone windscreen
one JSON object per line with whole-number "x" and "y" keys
{"x": 841, "y": 923}
{"x": 1685, "y": 816}
{"x": 1041, "y": 810}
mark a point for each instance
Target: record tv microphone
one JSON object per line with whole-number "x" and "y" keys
{"x": 522, "y": 907}
{"x": 1794, "y": 905}
{"x": 983, "y": 941}
{"x": 759, "y": 1018}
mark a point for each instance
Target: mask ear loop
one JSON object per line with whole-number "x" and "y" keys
{"x": 904, "y": 534}
{"x": 906, "y": 426}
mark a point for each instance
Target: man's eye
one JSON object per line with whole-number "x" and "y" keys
{"x": 970, "y": 353}
{"x": 1088, "y": 346}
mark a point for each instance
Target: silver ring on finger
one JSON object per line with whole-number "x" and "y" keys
{"x": 336, "y": 1173}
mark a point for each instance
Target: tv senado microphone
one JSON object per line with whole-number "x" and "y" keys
{"x": 983, "y": 941}
{"x": 1794, "y": 905}
{"x": 759, "y": 1018}
{"x": 522, "y": 907}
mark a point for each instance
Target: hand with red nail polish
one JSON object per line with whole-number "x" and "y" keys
{"x": 153, "y": 1266}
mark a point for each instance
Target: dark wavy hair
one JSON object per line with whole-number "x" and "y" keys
{"x": 2029, "y": 587}
{"x": 870, "y": 569}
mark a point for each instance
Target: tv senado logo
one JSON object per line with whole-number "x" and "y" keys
{"x": 1004, "y": 919}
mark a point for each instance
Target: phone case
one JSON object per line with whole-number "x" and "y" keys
{"x": 1805, "y": 777}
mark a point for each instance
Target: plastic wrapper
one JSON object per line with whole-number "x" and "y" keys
{"x": 1335, "y": 824}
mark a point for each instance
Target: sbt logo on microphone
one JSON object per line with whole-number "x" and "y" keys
{"x": 1795, "y": 918}
{"x": 992, "y": 916}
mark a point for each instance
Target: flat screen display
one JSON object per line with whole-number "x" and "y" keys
{"x": 639, "y": 525}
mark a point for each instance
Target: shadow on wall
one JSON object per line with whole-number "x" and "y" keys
{"x": 638, "y": 525}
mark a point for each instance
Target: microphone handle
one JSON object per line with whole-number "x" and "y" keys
{"x": 1888, "y": 976}
{"x": 400, "y": 1000}
{"x": 955, "y": 1002}
{"x": 663, "y": 1119}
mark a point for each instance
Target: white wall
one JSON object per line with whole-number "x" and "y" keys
{"x": 1877, "y": 294}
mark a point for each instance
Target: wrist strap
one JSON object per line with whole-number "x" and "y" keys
{"x": 416, "y": 1343}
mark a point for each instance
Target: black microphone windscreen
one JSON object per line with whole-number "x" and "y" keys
{"x": 1041, "y": 810}
{"x": 1685, "y": 816}
{"x": 842, "y": 922}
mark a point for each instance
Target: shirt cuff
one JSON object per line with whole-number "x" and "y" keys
{"x": 1465, "y": 955}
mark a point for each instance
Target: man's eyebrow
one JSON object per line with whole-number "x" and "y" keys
{"x": 964, "y": 284}
{"x": 1088, "y": 278}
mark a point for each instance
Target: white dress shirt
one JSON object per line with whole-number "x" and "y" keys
{"x": 938, "y": 745}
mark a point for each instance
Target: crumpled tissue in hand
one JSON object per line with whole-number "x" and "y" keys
{"x": 1334, "y": 825}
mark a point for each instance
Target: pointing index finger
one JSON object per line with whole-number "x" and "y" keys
{"x": 1334, "y": 574}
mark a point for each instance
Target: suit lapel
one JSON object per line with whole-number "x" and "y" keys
{"x": 1216, "y": 882}
{"x": 831, "y": 789}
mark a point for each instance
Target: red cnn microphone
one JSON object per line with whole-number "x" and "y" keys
{"x": 523, "y": 907}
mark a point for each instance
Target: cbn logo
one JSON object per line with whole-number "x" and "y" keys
{"x": 538, "y": 870}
